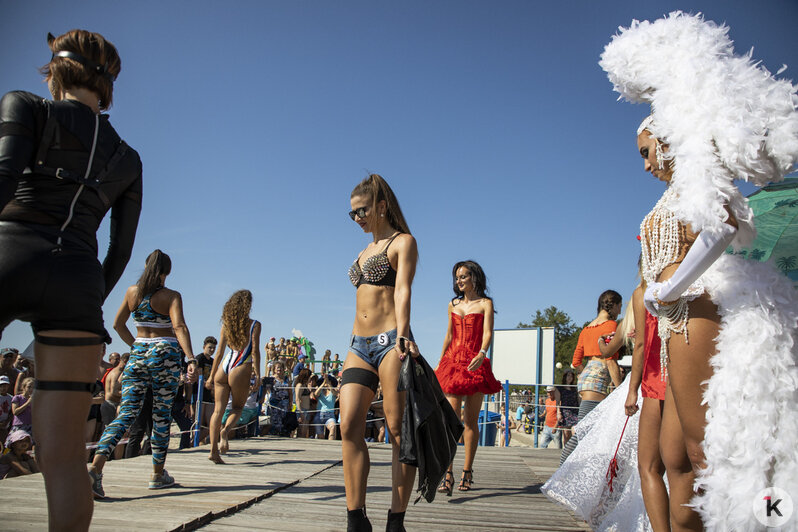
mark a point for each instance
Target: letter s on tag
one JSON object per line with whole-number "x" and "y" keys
{"x": 382, "y": 339}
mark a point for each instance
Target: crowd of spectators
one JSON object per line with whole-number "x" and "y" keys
{"x": 297, "y": 398}
{"x": 554, "y": 415}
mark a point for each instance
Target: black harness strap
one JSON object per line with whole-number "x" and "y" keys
{"x": 67, "y": 386}
{"x": 120, "y": 151}
{"x": 48, "y": 136}
{"x": 69, "y": 342}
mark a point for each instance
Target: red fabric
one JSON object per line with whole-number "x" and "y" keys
{"x": 105, "y": 376}
{"x": 652, "y": 385}
{"x": 453, "y": 371}
{"x": 551, "y": 412}
{"x": 612, "y": 470}
{"x": 587, "y": 345}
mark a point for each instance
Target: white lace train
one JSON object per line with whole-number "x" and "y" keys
{"x": 581, "y": 483}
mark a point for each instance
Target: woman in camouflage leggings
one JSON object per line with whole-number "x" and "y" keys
{"x": 155, "y": 361}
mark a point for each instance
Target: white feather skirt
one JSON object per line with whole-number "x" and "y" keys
{"x": 751, "y": 438}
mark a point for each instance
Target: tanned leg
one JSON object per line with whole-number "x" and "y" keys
{"x": 679, "y": 469}
{"x": 239, "y": 388}
{"x": 457, "y": 403}
{"x": 688, "y": 368}
{"x": 59, "y": 421}
{"x": 650, "y": 466}
{"x": 221, "y": 394}
{"x": 402, "y": 475}
{"x": 473, "y": 404}
{"x": 355, "y": 400}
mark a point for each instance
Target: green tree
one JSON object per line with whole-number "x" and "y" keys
{"x": 566, "y": 335}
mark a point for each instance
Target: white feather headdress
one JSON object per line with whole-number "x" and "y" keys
{"x": 725, "y": 117}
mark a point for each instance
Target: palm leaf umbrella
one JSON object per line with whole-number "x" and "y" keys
{"x": 776, "y": 218}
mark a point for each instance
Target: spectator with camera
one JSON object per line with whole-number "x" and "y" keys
{"x": 325, "y": 418}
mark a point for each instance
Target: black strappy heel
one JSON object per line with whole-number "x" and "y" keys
{"x": 447, "y": 484}
{"x": 466, "y": 480}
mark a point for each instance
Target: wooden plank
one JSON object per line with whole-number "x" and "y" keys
{"x": 506, "y": 496}
{"x": 297, "y": 485}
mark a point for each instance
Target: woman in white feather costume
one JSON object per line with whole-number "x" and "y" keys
{"x": 729, "y": 327}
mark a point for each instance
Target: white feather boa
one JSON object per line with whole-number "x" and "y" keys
{"x": 752, "y": 425}
{"x": 724, "y": 117}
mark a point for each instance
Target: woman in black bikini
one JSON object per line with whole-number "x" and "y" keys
{"x": 381, "y": 339}
{"x": 79, "y": 168}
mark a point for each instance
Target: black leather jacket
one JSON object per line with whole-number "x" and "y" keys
{"x": 45, "y": 148}
{"x": 430, "y": 427}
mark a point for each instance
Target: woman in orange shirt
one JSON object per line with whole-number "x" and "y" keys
{"x": 594, "y": 380}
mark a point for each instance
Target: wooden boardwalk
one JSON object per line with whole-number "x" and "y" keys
{"x": 297, "y": 485}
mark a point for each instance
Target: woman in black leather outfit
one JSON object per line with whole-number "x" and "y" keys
{"x": 62, "y": 167}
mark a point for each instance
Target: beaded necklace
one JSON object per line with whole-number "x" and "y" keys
{"x": 659, "y": 240}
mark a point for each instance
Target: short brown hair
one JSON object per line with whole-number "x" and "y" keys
{"x": 66, "y": 73}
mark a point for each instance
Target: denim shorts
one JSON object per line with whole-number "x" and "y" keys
{"x": 321, "y": 420}
{"x": 372, "y": 349}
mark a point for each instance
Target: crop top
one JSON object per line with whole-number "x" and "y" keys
{"x": 45, "y": 148}
{"x": 377, "y": 269}
{"x": 587, "y": 345}
{"x": 686, "y": 238}
{"x": 146, "y": 316}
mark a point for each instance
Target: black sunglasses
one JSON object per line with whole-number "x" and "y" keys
{"x": 360, "y": 212}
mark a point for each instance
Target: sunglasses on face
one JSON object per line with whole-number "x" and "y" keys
{"x": 360, "y": 213}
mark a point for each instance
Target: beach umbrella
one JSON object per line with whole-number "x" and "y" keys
{"x": 776, "y": 218}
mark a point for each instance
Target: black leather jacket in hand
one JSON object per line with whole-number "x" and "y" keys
{"x": 430, "y": 427}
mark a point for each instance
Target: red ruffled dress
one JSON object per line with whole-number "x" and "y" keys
{"x": 452, "y": 372}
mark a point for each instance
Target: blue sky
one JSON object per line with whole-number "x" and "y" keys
{"x": 492, "y": 121}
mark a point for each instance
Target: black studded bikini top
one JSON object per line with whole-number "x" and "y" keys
{"x": 376, "y": 270}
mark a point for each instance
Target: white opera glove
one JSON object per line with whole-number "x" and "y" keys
{"x": 707, "y": 248}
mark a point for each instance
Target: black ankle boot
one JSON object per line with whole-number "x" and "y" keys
{"x": 396, "y": 522}
{"x": 356, "y": 521}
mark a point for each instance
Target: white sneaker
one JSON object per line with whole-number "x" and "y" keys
{"x": 164, "y": 480}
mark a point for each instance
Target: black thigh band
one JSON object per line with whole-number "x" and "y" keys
{"x": 69, "y": 342}
{"x": 364, "y": 377}
{"x": 67, "y": 386}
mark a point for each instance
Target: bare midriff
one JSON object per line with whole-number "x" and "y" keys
{"x": 375, "y": 311}
{"x": 590, "y": 395}
{"x": 155, "y": 332}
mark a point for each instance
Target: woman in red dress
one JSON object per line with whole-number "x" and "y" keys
{"x": 464, "y": 369}
{"x": 647, "y": 375}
